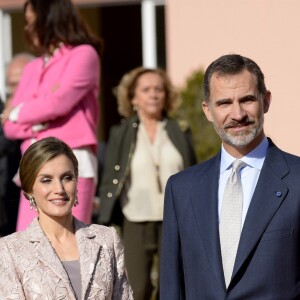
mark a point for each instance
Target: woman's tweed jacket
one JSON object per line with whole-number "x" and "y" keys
{"x": 30, "y": 268}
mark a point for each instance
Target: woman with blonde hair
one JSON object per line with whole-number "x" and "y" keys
{"x": 141, "y": 154}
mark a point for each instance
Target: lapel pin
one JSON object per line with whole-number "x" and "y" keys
{"x": 278, "y": 194}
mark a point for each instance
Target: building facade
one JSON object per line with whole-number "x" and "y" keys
{"x": 195, "y": 33}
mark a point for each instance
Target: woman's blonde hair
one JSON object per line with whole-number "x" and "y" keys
{"x": 126, "y": 89}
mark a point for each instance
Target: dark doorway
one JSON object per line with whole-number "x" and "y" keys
{"x": 121, "y": 31}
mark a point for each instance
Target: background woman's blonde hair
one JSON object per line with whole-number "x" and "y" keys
{"x": 126, "y": 89}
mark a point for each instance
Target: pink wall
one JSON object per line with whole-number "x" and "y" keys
{"x": 267, "y": 31}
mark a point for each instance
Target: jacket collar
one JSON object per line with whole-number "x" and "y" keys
{"x": 58, "y": 52}
{"x": 268, "y": 196}
{"x": 41, "y": 68}
{"x": 89, "y": 251}
{"x": 36, "y": 234}
{"x": 44, "y": 251}
{"x": 204, "y": 198}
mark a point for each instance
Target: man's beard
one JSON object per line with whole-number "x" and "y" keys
{"x": 244, "y": 137}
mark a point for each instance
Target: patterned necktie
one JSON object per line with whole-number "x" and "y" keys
{"x": 231, "y": 219}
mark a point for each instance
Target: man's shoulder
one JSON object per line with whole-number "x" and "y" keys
{"x": 292, "y": 160}
{"x": 281, "y": 162}
{"x": 288, "y": 157}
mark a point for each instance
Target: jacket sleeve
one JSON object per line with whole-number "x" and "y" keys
{"x": 10, "y": 284}
{"x": 171, "y": 273}
{"x": 80, "y": 77}
{"x": 122, "y": 289}
{"x": 110, "y": 157}
{"x": 109, "y": 172}
{"x": 15, "y": 131}
{"x": 12, "y": 130}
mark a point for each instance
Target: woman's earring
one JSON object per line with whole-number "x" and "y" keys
{"x": 76, "y": 202}
{"x": 32, "y": 203}
{"x": 135, "y": 108}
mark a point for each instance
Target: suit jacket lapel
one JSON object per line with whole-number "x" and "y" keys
{"x": 45, "y": 252}
{"x": 89, "y": 252}
{"x": 53, "y": 61}
{"x": 60, "y": 52}
{"x": 270, "y": 192}
{"x": 204, "y": 199}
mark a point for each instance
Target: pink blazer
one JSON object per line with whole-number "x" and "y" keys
{"x": 63, "y": 94}
{"x": 30, "y": 269}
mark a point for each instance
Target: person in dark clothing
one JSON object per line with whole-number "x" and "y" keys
{"x": 141, "y": 154}
{"x": 9, "y": 192}
{"x": 10, "y": 153}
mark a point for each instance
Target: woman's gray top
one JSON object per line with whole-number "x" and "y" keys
{"x": 73, "y": 269}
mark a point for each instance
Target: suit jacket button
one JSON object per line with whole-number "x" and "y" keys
{"x": 117, "y": 167}
{"x": 278, "y": 194}
{"x": 109, "y": 195}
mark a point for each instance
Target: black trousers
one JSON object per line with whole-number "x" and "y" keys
{"x": 142, "y": 241}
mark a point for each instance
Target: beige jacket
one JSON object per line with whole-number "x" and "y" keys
{"x": 30, "y": 268}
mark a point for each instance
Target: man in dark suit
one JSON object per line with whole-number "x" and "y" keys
{"x": 252, "y": 254}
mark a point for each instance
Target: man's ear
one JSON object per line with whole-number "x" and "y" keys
{"x": 267, "y": 101}
{"x": 207, "y": 111}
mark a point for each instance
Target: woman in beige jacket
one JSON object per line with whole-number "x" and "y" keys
{"x": 57, "y": 256}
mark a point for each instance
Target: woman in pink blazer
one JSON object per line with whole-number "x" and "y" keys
{"x": 58, "y": 94}
{"x": 57, "y": 256}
